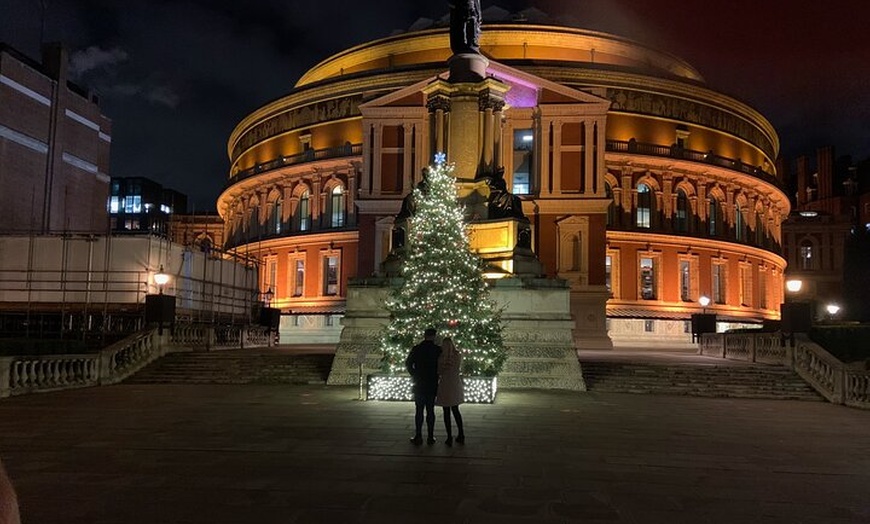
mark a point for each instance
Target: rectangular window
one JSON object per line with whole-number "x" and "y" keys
{"x": 273, "y": 277}
{"x": 299, "y": 278}
{"x": 649, "y": 326}
{"x": 762, "y": 290}
{"x": 608, "y": 273}
{"x": 304, "y": 216}
{"x": 114, "y": 204}
{"x": 337, "y": 208}
{"x": 137, "y": 203}
{"x": 746, "y": 285}
{"x": 718, "y": 283}
{"x": 685, "y": 281}
{"x": 330, "y": 321}
{"x": 127, "y": 204}
{"x": 523, "y": 157}
{"x": 647, "y": 278}
{"x": 330, "y": 275}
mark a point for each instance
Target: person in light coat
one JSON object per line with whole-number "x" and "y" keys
{"x": 450, "y": 394}
{"x": 8, "y": 500}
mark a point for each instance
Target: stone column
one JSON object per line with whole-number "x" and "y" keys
{"x": 588, "y": 159}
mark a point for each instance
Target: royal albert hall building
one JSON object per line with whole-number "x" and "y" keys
{"x": 638, "y": 179}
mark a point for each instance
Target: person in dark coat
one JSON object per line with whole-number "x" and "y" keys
{"x": 422, "y": 365}
{"x": 450, "y": 393}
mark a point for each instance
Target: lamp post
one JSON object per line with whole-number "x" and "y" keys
{"x": 797, "y": 314}
{"x": 704, "y": 301}
{"x": 268, "y": 296}
{"x": 160, "y": 307}
{"x": 832, "y": 310}
{"x": 161, "y": 279}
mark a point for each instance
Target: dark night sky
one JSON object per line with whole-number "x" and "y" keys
{"x": 176, "y": 76}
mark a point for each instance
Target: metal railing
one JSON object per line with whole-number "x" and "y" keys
{"x": 312, "y": 155}
{"x": 834, "y": 380}
{"x": 633, "y": 147}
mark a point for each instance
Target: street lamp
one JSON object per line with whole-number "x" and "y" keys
{"x": 832, "y": 310}
{"x": 268, "y": 296}
{"x": 161, "y": 278}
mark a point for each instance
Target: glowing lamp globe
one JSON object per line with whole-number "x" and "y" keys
{"x": 832, "y": 309}
{"x": 704, "y": 301}
{"x": 794, "y": 285}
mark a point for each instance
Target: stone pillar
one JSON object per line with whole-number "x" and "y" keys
{"x": 588, "y": 159}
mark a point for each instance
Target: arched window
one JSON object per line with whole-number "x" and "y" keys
{"x": 644, "y": 206}
{"x": 713, "y": 217}
{"x": 303, "y": 212}
{"x": 759, "y": 228}
{"x": 806, "y": 255}
{"x": 277, "y": 214}
{"x": 611, "y": 207}
{"x": 336, "y": 207}
{"x": 681, "y": 216}
{"x": 739, "y": 223}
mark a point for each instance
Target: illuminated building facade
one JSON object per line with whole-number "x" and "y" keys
{"x": 642, "y": 185}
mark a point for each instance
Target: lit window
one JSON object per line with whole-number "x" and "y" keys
{"x": 330, "y": 275}
{"x": 303, "y": 213}
{"x": 644, "y": 205}
{"x": 299, "y": 278}
{"x": 647, "y": 279}
{"x": 114, "y": 204}
{"x": 685, "y": 281}
{"x": 336, "y": 205}
{"x": 127, "y": 204}
{"x": 523, "y": 151}
{"x": 806, "y": 255}
{"x": 164, "y": 208}
{"x": 273, "y": 277}
{"x": 137, "y": 203}
{"x": 277, "y": 213}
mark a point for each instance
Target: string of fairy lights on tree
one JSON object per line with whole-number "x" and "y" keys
{"x": 443, "y": 284}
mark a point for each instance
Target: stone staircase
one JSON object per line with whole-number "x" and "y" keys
{"x": 700, "y": 380}
{"x": 267, "y": 366}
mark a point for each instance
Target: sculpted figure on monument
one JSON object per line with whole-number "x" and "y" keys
{"x": 465, "y": 18}
{"x": 501, "y": 202}
{"x": 409, "y": 207}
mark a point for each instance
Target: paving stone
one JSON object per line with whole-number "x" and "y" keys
{"x": 216, "y": 454}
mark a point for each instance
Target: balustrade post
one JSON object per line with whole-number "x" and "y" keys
{"x": 753, "y": 347}
{"x": 5, "y": 376}
{"x": 724, "y": 345}
{"x": 840, "y": 385}
{"x": 210, "y": 338}
{"x": 104, "y": 372}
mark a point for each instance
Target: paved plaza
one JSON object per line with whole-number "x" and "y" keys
{"x": 298, "y": 454}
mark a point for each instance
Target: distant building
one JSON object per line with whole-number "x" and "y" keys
{"x": 54, "y": 147}
{"x": 826, "y": 233}
{"x": 141, "y": 204}
{"x": 204, "y": 231}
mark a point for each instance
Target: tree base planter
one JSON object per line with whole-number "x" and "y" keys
{"x": 477, "y": 390}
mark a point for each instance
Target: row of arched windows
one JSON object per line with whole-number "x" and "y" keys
{"x": 245, "y": 224}
{"x": 684, "y": 220}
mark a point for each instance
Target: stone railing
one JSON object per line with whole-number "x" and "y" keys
{"x": 212, "y": 338}
{"x": 834, "y": 380}
{"x": 29, "y": 374}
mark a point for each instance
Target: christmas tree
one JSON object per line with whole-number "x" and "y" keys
{"x": 442, "y": 284}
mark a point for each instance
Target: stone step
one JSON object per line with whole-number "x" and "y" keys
{"x": 737, "y": 381}
{"x": 236, "y": 367}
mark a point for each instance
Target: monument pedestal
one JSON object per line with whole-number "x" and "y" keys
{"x": 538, "y": 333}
{"x": 589, "y": 306}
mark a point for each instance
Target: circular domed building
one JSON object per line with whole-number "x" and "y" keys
{"x": 645, "y": 189}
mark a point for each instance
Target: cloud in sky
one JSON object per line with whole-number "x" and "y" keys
{"x": 95, "y": 58}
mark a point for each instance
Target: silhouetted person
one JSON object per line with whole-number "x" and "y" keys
{"x": 450, "y": 392}
{"x": 422, "y": 364}
{"x": 8, "y": 500}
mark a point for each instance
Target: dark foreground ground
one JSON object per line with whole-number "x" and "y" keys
{"x": 277, "y": 454}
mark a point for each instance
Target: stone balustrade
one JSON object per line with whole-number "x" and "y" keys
{"x": 30, "y": 374}
{"x": 834, "y": 380}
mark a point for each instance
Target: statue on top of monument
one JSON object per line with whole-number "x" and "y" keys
{"x": 501, "y": 202}
{"x": 465, "y": 19}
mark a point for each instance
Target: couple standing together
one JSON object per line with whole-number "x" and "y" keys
{"x": 435, "y": 373}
